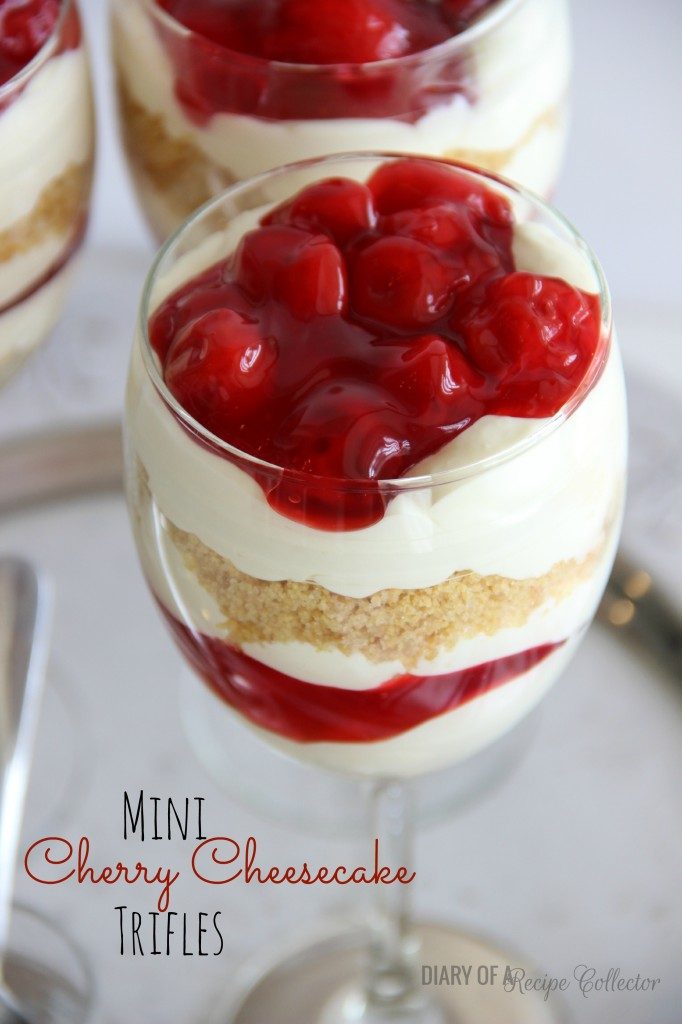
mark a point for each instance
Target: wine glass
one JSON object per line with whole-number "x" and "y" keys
{"x": 381, "y": 629}
{"x": 46, "y": 163}
{"x": 196, "y": 116}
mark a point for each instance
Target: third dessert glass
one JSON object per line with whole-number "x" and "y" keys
{"x": 212, "y": 92}
{"x": 46, "y": 160}
{"x": 375, "y": 460}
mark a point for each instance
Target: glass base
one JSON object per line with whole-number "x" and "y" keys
{"x": 269, "y": 782}
{"x": 321, "y": 982}
{"x": 45, "y": 974}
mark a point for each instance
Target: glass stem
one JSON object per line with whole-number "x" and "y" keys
{"x": 392, "y": 982}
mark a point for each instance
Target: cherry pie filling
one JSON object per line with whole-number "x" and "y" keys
{"x": 358, "y": 329}
{"x": 25, "y": 27}
{"x": 233, "y": 61}
{"x": 361, "y": 327}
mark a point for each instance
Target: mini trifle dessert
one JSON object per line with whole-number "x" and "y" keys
{"x": 375, "y": 448}
{"x": 376, "y": 444}
{"x": 215, "y": 91}
{"x": 46, "y": 161}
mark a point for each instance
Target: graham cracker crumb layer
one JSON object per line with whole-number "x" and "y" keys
{"x": 177, "y": 168}
{"x": 56, "y": 212}
{"x": 497, "y": 159}
{"x": 171, "y": 164}
{"x": 406, "y": 625}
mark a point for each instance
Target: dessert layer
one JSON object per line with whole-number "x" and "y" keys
{"x": 390, "y": 625}
{"x": 325, "y": 31}
{"x": 24, "y": 29}
{"x": 545, "y": 506}
{"x": 517, "y": 520}
{"x": 178, "y": 176}
{"x": 178, "y": 590}
{"x": 44, "y": 132}
{"x": 441, "y": 741}
{"x": 312, "y": 713}
{"x": 55, "y": 213}
{"x": 35, "y": 248}
{"x": 173, "y": 165}
{"x": 27, "y": 323}
{"x": 515, "y": 121}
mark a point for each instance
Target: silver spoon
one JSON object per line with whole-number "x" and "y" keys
{"x": 25, "y": 612}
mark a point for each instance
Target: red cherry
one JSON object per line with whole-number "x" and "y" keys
{"x": 536, "y": 335}
{"x": 328, "y": 32}
{"x": 25, "y": 27}
{"x": 455, "y": 232}
{"x": 219, "y": 368}
{"x": 338, "y": 207}
{"x": 305, "y": 272}
{"x": 438, "y": 333}
{"x": 216, "y": 20}
{"x": 441, "y": 225}
{"x": 346, "y": 429}
{"x": 313, "y": 282}
{"x": 400, "y": 283}
{"x": 413, "y": 182}
{"x": 433, "y": 378}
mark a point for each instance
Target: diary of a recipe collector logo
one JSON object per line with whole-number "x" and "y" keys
{"x": 588, "y": 979}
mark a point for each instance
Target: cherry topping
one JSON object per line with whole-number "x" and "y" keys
{"x": 218, "y": 367}
{"x": 346, "y": 345}
{"x": 535, "y": 336}
{"x": 338, "y": 207}
{"x": 305, "y": 272}
{"x": 355, "y": 31}
{"x": 25, "y": 27}
{"x": 401, "y": 283}
{"x": 239, "y": 56}
{"x": 431, "y": 375}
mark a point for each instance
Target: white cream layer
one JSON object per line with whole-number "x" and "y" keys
{"x": 439, "y": 742}
{"x": 46, "y": 130}
{"x": 24, "y": 326}
{"x": 42, "y": 132}
{"x": 177, "y": 589}
{"x": 545, "y": 505}
{"x": 520, "y": 68}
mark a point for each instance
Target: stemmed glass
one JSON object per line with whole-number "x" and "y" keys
{"x": 196, "y": 116}
{"x": 502, "y": 556}
{"x": 47, "y": 145}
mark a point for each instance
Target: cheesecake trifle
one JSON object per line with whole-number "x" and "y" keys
{"x": 375, "y": 457}
{"x": 46, "y": 158}
{"x": 214, "y": 91}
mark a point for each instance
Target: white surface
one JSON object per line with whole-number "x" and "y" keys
{"x": 577, "y": 858}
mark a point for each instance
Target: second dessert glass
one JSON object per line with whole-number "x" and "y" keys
{"x": 391, "y": 650}
{"x": 46, "y": 162}
{"x": 196, "y": 116}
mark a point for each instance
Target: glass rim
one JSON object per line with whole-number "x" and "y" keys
{"x": 47, "y": 50}
{"x": 403, "y": 483}
{"x": 485, "y": 23}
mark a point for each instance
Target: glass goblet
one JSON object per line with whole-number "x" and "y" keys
{"x": 430, "y": 614}
{"x": 196, "y": 116}
{"x": 46, "y": 161}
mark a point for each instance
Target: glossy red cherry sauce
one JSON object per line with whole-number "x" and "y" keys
{"x": 310, "y": 713}
{"x": 226, "y": 65}
{"x": 363, "y": 327}
{"x": 25, "y": 27}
